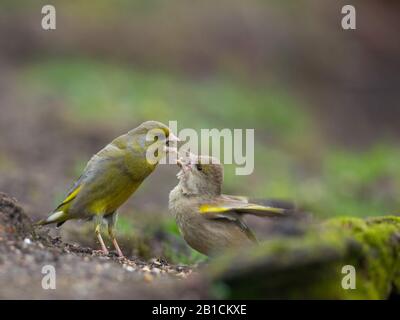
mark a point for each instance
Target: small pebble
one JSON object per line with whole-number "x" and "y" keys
{"x": 148, "y": 277}
{"x": 146, "y": 269}
{"x": 130, "y": 269}
{"x": 98, "y": 267}
{"x": 181, "y": 275}
{"x": 156, "y": 270}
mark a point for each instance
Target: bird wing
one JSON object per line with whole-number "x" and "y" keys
{"x": 71, "y": 195}
{"x": 78, "y": 184}
{"x": 222, "y": 209}
{"x": 243, "y": 226}
{"x": 231, "y": 206}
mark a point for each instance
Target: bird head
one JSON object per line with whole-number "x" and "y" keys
{"x": 200, "y": 175}
{"x": 155, "y": 139}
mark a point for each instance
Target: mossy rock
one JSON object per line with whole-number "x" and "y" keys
{"x": 309, "y": 265}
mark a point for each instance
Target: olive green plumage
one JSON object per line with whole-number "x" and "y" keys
{"x": 210, "y": 221}
{"x": 109, "y": 179}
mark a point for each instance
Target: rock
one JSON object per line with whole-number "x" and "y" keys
{"x": 310, "y": 266}
{"x": 14, "y": 223}
{"x": 148, "y": 277}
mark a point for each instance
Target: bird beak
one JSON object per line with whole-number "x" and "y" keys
{"x": 179, "y": 163}
{"x": 184, "y": 165}
{"x": 172, "y": 149}
{"x": 173, "y": 137}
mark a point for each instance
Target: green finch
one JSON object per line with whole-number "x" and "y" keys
{"x": 208, "y": 220}
{"x": 112, "y": 176}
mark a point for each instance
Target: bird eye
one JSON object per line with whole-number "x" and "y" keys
{"x": 167, "y": 143}
{"x": 199, "y": 167}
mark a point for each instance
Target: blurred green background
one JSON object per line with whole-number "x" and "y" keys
{"x": 323, "y": 102}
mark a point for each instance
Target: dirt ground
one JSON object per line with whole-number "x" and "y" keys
{"x": 81, "y": 272}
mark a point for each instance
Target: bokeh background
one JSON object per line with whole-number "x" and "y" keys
{"x": 324, "y": 102}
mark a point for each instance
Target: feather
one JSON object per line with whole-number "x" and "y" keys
{"x": 71, "y": 195}
{"x": 58, "y": 217}
{"x": 226, "y": 205}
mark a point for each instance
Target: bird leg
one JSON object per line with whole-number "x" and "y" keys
{"x": 114, "y": 241}
{"x": 98, "y": 234}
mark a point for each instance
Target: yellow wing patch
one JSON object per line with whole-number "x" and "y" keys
{"x": 70, "y": 197}
{"x": 73, "y": 194}
{"x": 206, "y": 208}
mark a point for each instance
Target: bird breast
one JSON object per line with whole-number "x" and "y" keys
{"x": 205, "y": 235}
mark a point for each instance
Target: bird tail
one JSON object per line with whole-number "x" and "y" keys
{"x": 270, "y": 207}
{"x": 262, "y": 211}
{"x": 58, "y": 217}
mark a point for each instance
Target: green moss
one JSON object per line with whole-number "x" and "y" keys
{"x": 380, "y": 261}
{"x": 310, "y": 266}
